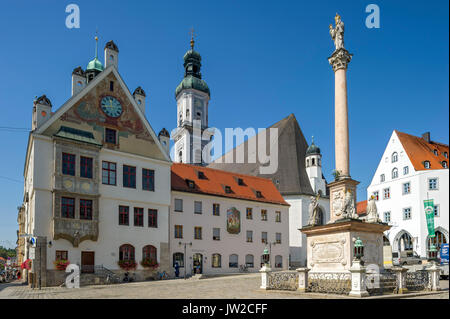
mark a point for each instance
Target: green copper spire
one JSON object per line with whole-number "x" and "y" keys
{"x": 192, "y": 75}
{"x": 95, "y": 64}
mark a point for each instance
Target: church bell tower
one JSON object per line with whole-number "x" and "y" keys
{"x": 192, "y": 96}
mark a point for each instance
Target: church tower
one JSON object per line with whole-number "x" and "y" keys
{"x": 314, "y": 168}
{"x": 192, "y": 96}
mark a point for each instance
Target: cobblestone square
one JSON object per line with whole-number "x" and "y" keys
{"x": 229, "y": 287}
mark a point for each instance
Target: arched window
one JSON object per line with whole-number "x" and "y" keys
{"x": 313, "y": 161}
{"x": 319, "y": 216}
{"x": 444, "y": 164}
{"x": 278, "y": 261}
{"x": 149, "y": 252}
{"x": 386, "y": 241}
{"x": 178, "y": 258}
{"x": 394, "y": 173}
{"x": 216, "y": 261}
{"x": 435, "y": 152}
{"x": 180, "y": 156}
{"x": 426, "y": 164}
{"x": 111, "y": 57}
{"x": 405, "y": 242}
{"x": 126, "y": 252}
{"x": 307, "y": 163}
{"x": 437, "y": 241}
{"x": 233, "y": 262}
{"x": 394, "y": 157}
{"x": 249, "y": 261}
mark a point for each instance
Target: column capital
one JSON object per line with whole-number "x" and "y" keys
{"x": 340, "y": 59}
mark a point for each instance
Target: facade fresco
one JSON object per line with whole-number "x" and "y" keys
{"x": 233, "y": 221}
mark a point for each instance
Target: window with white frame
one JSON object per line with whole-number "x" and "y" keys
{"x": 436, "y": 211}
{"x": 386, "y": 193}
{"x": 444, "y": 164}
{"x": 426, "y": 164}
{"x": 406, "y": 188}
{"x": 432, "y": 183}
{"x": 406, "y": 170}
{"x": 387, "y": 217}
{"x": 445, "y": 154}
{"x": 407, "y": 213}
{"x": 197, "y": 207}
{"x": 375, "y": 195}
{"x": 382, "y": 178}
{"x": 178, "y": 205}
{"x": 394, "y": 157}
{"x": 394, "y": 173}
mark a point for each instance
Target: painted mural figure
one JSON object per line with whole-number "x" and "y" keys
{"x": 233, "y": 221}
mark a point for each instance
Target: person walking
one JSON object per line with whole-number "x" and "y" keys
{"x": 177, "y": 269}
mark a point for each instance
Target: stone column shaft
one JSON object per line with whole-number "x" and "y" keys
{"x": 341, "y": 123}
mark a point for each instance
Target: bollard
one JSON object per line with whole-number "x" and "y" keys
{"x": 433, "y": 275}
{"x": 302, "y": 279}
{"x": 358, "y": 280}
{"x": 401, "y": 279}
{"x": 265, "y": 270}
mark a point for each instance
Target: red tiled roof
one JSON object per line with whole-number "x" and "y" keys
{"x": 361, "y": 207}
{"x": 216, "y": 180}
{"x": 419, "y": 151}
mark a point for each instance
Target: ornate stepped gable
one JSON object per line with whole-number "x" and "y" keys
{"x": 291, "y": 174}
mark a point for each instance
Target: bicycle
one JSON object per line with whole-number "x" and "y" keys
{"x": 243, "y": 268}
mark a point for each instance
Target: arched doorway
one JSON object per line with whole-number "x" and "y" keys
{"x": 198, "y": 263}
{"x": 386, "y": 241}
{"x": 438, "y": 240}
{"x": 403, "y": 242}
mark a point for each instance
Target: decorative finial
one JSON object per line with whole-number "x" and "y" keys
{"x": 96, "y": 43}
{"x": 192, "y": 39}
{"x": 312, "y": 139}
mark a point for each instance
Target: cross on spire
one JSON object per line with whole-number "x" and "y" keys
{"x": 192, "y": 38}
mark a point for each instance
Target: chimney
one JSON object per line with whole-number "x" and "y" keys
{"x": 78, "y": 80}
{"x": 139, "y": 96}
{"x": 111, "y": 54}
{"x": 42, "y": 111}
{"x": 426, "y": 137}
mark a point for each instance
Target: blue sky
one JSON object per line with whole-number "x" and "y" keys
{"x": 261, "y": 59}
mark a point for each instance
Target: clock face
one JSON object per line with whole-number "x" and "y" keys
{"x": 111, "y": 106}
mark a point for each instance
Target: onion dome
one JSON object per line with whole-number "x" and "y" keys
{"x": 312, "y": 149}
{"x": 192, "y": 75}
{"x": 95, "y": 65}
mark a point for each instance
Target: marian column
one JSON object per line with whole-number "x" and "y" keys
{"x": 343, "y": 189}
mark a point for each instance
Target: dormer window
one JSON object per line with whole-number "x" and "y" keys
{"x": 240, "y": 181}
{"x": 190, "y": 183}
{"x": 227, "y": 189}
{"x": 201, "y": 175}
{"x": 435, "y": 152}
{"x": 426, "y": 164}
{"x": 445, "y": 154}
{"x": 258, "y": 194}
{"x": 444, "y": 164}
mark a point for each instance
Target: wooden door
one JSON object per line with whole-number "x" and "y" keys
{"x": 87, "y": 261}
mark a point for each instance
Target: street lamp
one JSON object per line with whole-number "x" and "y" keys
{"x": 184, "y": 256}
{"x": 358, "y": 251}
{"x": 432, "y": 253}
{"x": 266, "y": 257}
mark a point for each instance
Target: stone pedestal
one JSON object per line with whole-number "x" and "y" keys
{"x": 401, "y": 278}
{"x": 358, "y": 280}
{"x": 338, "y": 193}
{"x": 265, "y": 270}
{"x": 330, "y": 247}
{"x": 302, "y": 279}
{"x": 434, "y": 273}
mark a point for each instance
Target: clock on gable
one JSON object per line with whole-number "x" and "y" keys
{"x": 111, "y": 106}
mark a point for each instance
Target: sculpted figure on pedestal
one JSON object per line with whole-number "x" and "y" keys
{"x": 313, "y": 210}
{"x": 372, "y": 212}
{"x": 337, "y": 33}
{"x": 349, "y": 206}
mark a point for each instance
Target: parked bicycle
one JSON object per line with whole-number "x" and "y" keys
{"x": 128, "y": 278}
{"x": 243, "y": 268}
